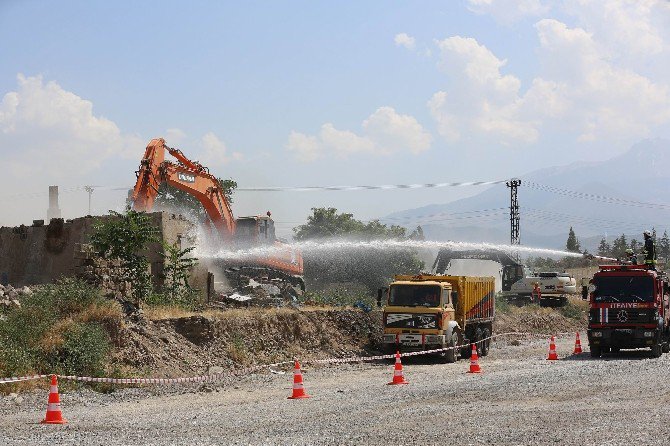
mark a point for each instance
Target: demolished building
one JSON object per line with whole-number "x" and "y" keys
{"x": 43, "y": 253}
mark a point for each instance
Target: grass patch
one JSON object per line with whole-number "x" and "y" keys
{"x": 339, "y": 296}
{"x": 575, "y": 309}
{"x": 66, "y": 328}
{"x": 502, "y": 306}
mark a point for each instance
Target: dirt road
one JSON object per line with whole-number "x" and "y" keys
{"x": 521, "y": 399}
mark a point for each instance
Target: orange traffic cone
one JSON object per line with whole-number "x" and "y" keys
{"x": 398, "y": 377}
{"x": 474, "y": 361}
{"x": 552, "y": 350}
{"x": 578, "y": 345}
{"x": 54, "y": 415}
{"x": 298, "y": 388}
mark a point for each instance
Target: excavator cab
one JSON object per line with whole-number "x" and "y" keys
{"x": 254, "y": 231}
{"x": 510, "y": 275}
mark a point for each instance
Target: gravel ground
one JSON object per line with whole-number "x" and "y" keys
{"x": 520, "y": 399}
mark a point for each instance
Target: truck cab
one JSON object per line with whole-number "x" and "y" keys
{"x": 628, "y": 308}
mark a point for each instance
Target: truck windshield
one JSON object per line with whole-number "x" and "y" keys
{"x": 415, "y": 295}
{"x": 624, "y": 289}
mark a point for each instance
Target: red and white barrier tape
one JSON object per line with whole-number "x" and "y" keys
{"x": 246, "y": 371}
{"x": 423, "y": 352}
{"x": 21, "y": 378}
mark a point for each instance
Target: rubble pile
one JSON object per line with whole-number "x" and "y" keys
{"x": 103, "y": 273}
{"x": 11, "y": 297}
{"x": 258, "y": 293}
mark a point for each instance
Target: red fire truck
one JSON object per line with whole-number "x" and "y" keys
{"x": 629, "y": 308}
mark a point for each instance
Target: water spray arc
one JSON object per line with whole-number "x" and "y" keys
{"x": 334, "y": 246}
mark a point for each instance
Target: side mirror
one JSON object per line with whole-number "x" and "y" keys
{"x": 454, "y": 298}
{"x": 379, "y": 297}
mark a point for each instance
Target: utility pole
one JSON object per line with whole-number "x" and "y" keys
{"x": 514, "y": 218}
{"x": 89, "y": 189}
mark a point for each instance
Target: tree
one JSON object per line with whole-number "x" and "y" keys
{"x": 417, "y": 234}
{"x": 619, "y": 247}
{"x": 326, "y": 222}
{"x": 125, "y": 236}
{"x": 177, "y": 267}
{"x": 664, "y": 246}
{"x": 172, "y": 198}
{"x": 572, "y": 244}
{"x": 635, "y": 245}
{"x": 604, "y": 248}
{"x": 364, "y": 265}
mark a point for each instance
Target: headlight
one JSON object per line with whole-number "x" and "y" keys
{"x": 597, "y": 334}
{"x": 648, "y": 334}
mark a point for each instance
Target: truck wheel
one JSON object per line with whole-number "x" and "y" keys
{"x": 466, "y": 352}
{"x": 656, "y": 350}
{"x": 450, "y": 355}
{"x": 487, "y": 343}
{"x": 479, "y": 335}
{"x": 666, "y": 347}
{"x": 595, "y": 352}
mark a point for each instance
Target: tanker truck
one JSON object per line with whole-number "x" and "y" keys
{"x": 427, "y": 312}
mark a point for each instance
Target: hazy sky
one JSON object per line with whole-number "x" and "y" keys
{"x": 315, "y": 93}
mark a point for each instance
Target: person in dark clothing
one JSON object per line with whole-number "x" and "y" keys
{"x": 649, "y": 251}
{"x": 631, "y": 257}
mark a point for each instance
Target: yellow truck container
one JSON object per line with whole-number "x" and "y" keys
{"x": 427, "y": 312}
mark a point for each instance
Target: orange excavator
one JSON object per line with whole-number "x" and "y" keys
{"x": 285, "y": 264}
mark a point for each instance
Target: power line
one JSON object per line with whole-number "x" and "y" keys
{"x": 596, "y": 197}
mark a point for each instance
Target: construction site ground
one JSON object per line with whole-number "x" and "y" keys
{"x": 520, "y": 399}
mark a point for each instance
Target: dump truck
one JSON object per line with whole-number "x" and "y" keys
{"x": 427, "y": 312}
{"x": 629, "y": 307}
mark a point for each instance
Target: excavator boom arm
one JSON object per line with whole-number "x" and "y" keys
{"x": 188, "y": 176}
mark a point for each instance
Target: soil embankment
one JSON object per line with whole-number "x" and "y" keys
{"x": 194, "y": 344}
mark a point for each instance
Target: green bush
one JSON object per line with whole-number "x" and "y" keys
{"x": 84, "y": 351}
{"x": 55, "y": 331}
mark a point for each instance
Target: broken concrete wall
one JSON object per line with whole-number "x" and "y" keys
{"x": 38, "y": 254}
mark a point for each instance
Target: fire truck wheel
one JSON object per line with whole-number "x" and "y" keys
{"x": 595, "y": 352}
{"x": 487, "y": 343}
{"x": 656, "y": 350}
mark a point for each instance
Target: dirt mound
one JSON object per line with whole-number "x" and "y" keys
{"x": 194, "y": 344}
{"x": 534, "y": 319}
{"x": 243, "y": 337}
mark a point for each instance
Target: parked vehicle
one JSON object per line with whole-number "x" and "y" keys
{"x": 629, "y": 308}
{"x": 428, "y": 312}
